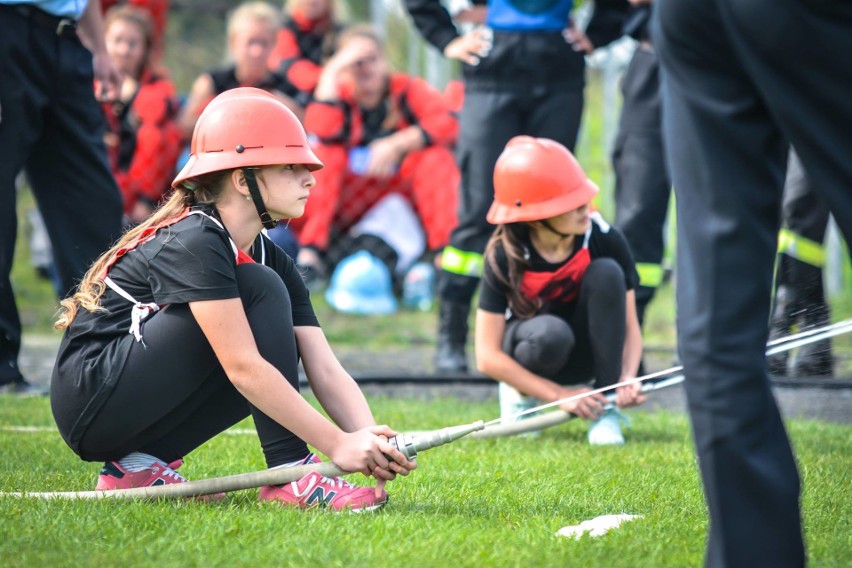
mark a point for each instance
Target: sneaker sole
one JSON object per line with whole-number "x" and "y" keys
{"x": 367, "y": 509}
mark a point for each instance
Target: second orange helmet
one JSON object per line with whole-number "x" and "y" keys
{"x": 536, "y": 179}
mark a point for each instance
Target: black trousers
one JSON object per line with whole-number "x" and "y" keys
{"x": 590, "y": 346}
{"x": 805, "y": 213}
{"x": 642, "y": 185}
{"x": 52, "y": 128}
{"x": 741, "y": 80}
{"x": 173, "y": 396}
{"x": 489, "y": 119}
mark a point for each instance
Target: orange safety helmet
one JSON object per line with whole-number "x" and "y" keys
{"x": 245, "y": 127}
{"x": 536, "y": 179}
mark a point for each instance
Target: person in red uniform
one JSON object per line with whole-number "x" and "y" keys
{"x": 143, "y": 139}
{"x": 305, "y": 42}
{"x": 378, "y": 133}
{"x": 567, "y": 281}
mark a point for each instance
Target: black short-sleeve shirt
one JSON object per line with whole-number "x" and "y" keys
{"x": 604, "y": 242}
{"x": 192, "y": 260}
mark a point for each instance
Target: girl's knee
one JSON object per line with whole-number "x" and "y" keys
{"x": 604, "y": 274}
{"x": 543, "y": 344}
{"x": 260, "y": 284}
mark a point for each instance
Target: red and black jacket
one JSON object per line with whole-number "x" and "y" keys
{"x": 302, "y": 47}
{"x": 143, "y": 140}
{"x": 410, "y": 101}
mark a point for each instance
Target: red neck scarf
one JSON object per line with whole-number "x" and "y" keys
{"x": 562, "y": 285}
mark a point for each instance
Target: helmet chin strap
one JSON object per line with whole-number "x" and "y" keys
{"x": 546, "y": 224}
{"x": 254, "y": 191}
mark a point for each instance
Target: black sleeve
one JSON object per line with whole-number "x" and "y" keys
{"x": 614, "y": 245}
{"x": 433, "y": 21}
{"x": 607, "y": 21}
{"x": 193, "y": 265}
{"x": 300, "y": 298}
{"x": 493, "y": 294}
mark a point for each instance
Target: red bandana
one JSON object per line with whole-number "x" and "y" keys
{"x": 560, "y": 286}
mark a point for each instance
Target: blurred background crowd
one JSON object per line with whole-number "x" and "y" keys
{"x": 382, "y": 109}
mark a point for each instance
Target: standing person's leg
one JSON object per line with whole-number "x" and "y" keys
{"x": 799, "y": 292}
{"x": 555, "y": 113}
{"x": 174, "y": 395}
{"x": 68, "y": 169}
{"x": 488, "y": 121}
{"x": 22, "y": 100}
{"x": 642, "y": 187}
{"x": 810, "y": 100}
{"x": 727, "y": 164}
{"x": 810, "y": 103}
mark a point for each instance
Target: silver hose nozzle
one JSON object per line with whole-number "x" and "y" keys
{"x": 410, "y": 445}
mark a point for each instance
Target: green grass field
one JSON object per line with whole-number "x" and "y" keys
{"x": 471, "y": 503}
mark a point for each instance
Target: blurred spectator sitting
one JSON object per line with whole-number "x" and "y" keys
{"x": 159, "y": 12}
{"x": 378, "y": 133}
{"x": 143, "y": 140}
{"x": 305, "y": 42}
{"x": 252, "y": 28}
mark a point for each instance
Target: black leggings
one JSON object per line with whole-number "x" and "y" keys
{"x": 173, "y": 396}
{"x": 590, "y": 345}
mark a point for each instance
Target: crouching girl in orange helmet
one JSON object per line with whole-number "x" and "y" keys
{"x": 218, "y": 319}
{"x": 557, "y": 306}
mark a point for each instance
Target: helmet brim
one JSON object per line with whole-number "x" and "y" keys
{"x": 500, "y": 214}
{"x": 209, "y": 162}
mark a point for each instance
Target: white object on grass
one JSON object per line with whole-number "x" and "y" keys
{"x": 598, "y": 526}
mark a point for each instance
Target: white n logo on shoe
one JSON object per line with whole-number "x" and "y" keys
{"x": 320, "y": 497}
{"x": 316, "y": 495}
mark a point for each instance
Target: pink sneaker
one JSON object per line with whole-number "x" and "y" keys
{"x": 113, "y": 476}
{"x": 315, "y": 490}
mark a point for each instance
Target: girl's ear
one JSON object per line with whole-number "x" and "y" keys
{"x": 238, "y": 178}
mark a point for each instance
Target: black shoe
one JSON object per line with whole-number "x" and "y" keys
{"x": 777, "y": 365}
{"x": 813, "y": 360}
{"x": 23, "y": 389}
{"x": 450, "y": 358}
{"x": 452, "y": 337}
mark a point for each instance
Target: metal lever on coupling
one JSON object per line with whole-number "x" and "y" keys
{"x": 404, "y": 444}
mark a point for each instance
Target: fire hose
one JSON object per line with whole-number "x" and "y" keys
{"x": 667, "y": 378}
{"x": 411, "y": 444}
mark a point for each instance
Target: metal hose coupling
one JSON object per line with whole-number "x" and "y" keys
{"x": 411, "y": 444}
